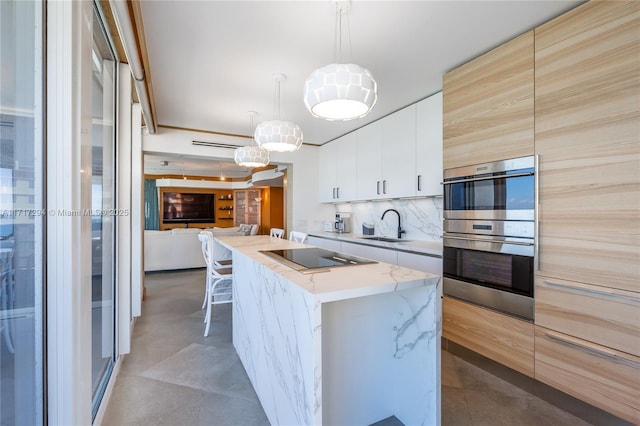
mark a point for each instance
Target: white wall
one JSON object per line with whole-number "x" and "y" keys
{"x": 303, "y": 211}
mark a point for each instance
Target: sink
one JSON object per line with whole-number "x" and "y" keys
{"x": 386, "y": 239}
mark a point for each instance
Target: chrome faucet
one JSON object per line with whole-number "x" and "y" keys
{"x": 400, "y": 230}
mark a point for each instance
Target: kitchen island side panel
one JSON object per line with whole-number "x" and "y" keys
{"x": 381, "y": 358}
{"x": 273, "y": 334}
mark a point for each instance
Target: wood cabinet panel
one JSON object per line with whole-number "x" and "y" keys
{"x": 601, "y": 315}
{"x": 600, "y": 376}
{"x": 488, "y": 106}
{"x": 502, "y": 338}
{"x": 587, "y": 109}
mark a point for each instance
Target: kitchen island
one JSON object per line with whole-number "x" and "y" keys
{"x": 353, "y": 345}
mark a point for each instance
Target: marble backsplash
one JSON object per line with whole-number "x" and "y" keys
{"x": 421, "y": 217}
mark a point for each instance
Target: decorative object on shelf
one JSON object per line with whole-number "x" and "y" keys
{"x": 278, "y": 135}
{"x": 251, "y": 156}
{"x": 340, "y": 92}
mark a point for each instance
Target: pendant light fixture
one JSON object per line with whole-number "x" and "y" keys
{"x": 251, "y": 156}
{"x": 277, "y": 135}
{"x": 338, "y": 91}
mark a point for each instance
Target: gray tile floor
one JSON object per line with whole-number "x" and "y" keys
{"x": 175, "y": 376}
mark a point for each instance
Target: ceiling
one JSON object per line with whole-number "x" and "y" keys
{"x": 211, "y": 62}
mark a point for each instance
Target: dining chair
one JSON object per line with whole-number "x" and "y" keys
{"x": 277, "y": 233}
{"x": 299, "y": 237}
{"x": 219, "y": 280}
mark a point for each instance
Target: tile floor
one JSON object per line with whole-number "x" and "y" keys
{"x": 175, "y": 376}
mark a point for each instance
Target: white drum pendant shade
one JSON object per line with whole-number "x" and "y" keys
{"x": 340, "y": 92}
{"x": 251, "y": 156}
{"x": 280, "y": 136}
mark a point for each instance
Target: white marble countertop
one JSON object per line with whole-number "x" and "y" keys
{"x": 431, "y": 248}
{"x": 339, "y": 283}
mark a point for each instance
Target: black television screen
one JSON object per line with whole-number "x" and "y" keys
{"x": 188, "y": 207}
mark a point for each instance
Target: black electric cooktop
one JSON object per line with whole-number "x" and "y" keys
{"x": 314, "y": 259}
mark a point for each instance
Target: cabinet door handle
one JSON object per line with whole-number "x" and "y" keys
{"x": 592, "y": 292}
{"x": 384, "y": 186}
{"x": 378, "y": 187}
{"x": 419, "y": 182}
{"x": 333, "y": 193}
{"x": 338, "y": 192}
{"x": 599, "y": 352}
{"x": 536, "y": 206}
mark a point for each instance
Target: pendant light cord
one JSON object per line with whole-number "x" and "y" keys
{"x": 337, "y": 39}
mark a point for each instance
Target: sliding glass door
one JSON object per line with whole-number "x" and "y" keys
{"x": 22, "y": 214}
{"x": 103, "y": 95}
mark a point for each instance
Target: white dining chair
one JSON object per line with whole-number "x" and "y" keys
{"x": 299, "y": 237}
{"x": 277, "y": 233}
{"x": 219, "y": 280}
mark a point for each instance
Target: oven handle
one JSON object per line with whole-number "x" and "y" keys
{"x": 486, "y": 178}
{"x": 486, "y": 240}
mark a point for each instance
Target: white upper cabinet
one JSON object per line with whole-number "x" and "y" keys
{"x": 386, "y": 156}
{"x": 327, "y": 172}
{"x": 369, "y": 161}
{"x": 429, "y": 146}
{"x": 395, "y": 157}
{"x": 337, "y": 174}
{"x": 346, "y": 168}
{"x": 398, "y": 154}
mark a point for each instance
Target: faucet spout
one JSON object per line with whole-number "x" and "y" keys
{"x": 400, "y": 230}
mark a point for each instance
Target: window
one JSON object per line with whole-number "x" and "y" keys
{"x": 22, "y": 215}
{"x": 103, "y": 198}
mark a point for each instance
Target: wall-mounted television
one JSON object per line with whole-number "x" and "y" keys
{"x": 185, "y": 207}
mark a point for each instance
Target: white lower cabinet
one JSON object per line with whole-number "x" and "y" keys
{"x": 419, "y": 262}
{"x": 379, "y": 254}
{"x": 325, "y": 243}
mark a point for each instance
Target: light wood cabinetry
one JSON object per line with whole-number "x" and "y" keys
{"x": 488, "y": 106}
{"x": 224, "y": 208}
{"x": 271, "y": 209}
{"x": 429, "y": 146}
{"x": 587, "y": 112}
{"x": 588, "y": 142}
{"x": 499, "y": 337}
{"x": 247, "y": 207}
{"x": 605, "y": 316}
{"x": 601, "y": 376}
{"x": 337, "y": 177}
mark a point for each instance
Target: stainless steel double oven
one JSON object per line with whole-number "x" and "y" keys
{"x": 489, "y": 220}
